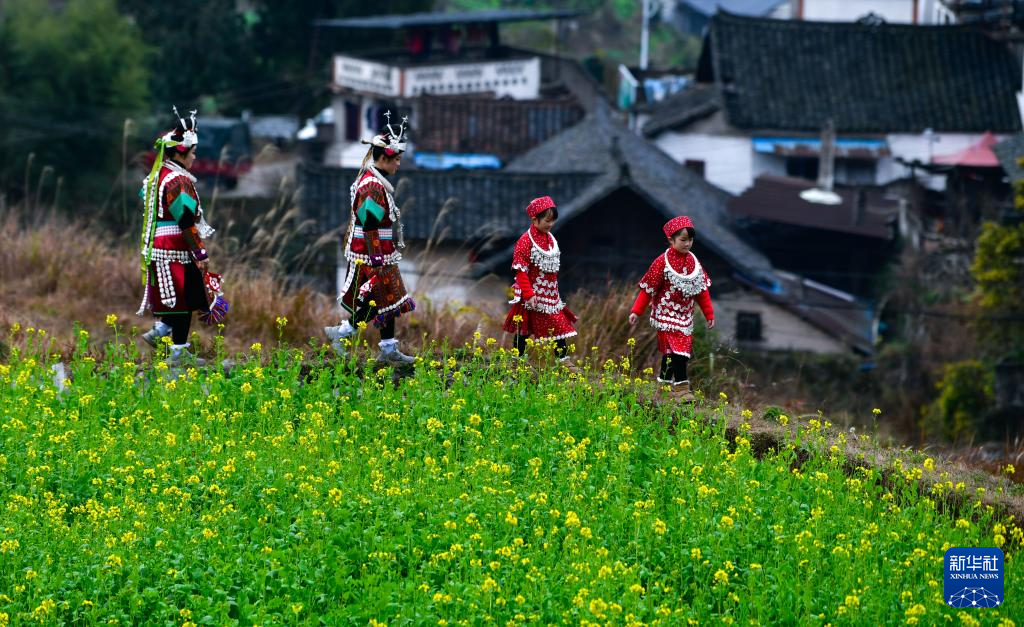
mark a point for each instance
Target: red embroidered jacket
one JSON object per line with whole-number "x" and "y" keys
{"x": 178, "y": 215}
{"x": 371, "y": 239}
{"x": 673, "y": 283}
{"x": 536, "y": 260}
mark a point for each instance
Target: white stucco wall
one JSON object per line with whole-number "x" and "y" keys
{"x": 781, "y": 329}
{"x": 728, "y": 159}
{"x": 851, "y": 10}
{"x": 731, "y": 163}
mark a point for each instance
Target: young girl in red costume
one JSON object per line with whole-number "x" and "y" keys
{"x": 673, "y": 282}
{"x": 537, "y": 309}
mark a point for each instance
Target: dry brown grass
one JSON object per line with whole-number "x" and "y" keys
{"x": 55, "y": 272}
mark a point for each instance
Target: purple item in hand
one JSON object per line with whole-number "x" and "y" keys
{"x": 218, "y": 311}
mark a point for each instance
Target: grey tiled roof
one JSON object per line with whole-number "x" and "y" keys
{"x": 794, "y": 75}
{"x": 504, "y": 128}
{"x": 777, "y": 199}
{"x": 458, "y": 205}
{"x": 682, "y": 108}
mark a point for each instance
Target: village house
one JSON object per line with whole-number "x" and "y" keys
{"x": 897, "y": 94}
{"x": 472, "y": 101}
{"x": 845, "y": 245}
{"x": 693, "y": 16}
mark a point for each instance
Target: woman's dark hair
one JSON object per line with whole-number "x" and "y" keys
{"x": 543, "y": 214}
{"x": 171, "y": 152}
{"x": 377, "y": 152}
{"x": 689, "y": 229}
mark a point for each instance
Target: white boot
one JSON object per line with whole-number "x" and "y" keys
{"x": 336, "y": 334}
{"x": 389, "y": 354}
{"x": 180, "y": 356}
{"x": 160, "y": 330}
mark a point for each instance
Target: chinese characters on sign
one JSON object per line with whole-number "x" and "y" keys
{"x": 974, "y": 577}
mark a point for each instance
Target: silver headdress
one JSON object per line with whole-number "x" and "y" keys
{"x": 189, "y": 136}
{"x": 393, "y": 142}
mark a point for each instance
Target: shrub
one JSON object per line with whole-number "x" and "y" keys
{"x": 966, "y": 393}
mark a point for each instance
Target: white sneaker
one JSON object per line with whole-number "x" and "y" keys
{"x": 160, "y": 330}
{"x": 389, "y": 354}
{"x": 336, "y": 334}
{"x": 180, "y": 356}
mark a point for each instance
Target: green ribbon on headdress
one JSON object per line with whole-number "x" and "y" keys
{"x": 150, "y": 201}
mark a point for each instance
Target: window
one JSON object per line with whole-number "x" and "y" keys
{"x": 855, "y": 171}
{"x": 351, "y": 121}
{"x": 696, "y": 165}
{"x": 802, "y": 167}
{"x": 748, "y": 326}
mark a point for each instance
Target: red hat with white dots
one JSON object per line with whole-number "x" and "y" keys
{"x": 675, "y": 224}
{"x": 539, "y": 205}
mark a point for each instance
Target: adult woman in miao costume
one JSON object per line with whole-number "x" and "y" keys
{"x": 174, "y": 256}
{"x": 373, "y": 290}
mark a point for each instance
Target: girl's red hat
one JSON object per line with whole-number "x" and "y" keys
{"x": 538, "y": 206}
{"x": 675, "y": 224}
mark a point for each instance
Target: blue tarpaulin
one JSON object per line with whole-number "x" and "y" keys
{"x": 449, "y": 160}
{"x": 854, "y": 148}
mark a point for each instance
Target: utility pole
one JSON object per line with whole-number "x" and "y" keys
{"x": 822, "y": 193}
{"x": 645, "y": 31}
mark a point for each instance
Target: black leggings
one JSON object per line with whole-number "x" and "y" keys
{"x": 365, "y": 314}
{"x": 180, "y": 324}
{"x": 673, "y": 367}
{"x": 561, "y": 346}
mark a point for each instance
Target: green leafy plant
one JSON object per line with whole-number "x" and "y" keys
{"x": 965, "y": 395}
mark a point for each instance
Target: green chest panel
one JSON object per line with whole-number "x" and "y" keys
{"x": 182, "y": 203}
{"x": 369, "y": 207}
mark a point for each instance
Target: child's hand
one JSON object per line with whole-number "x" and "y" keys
{"x": 531, "y": 302}
{"x": 632, "y": 319}
{"x": 710, "y": 323}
